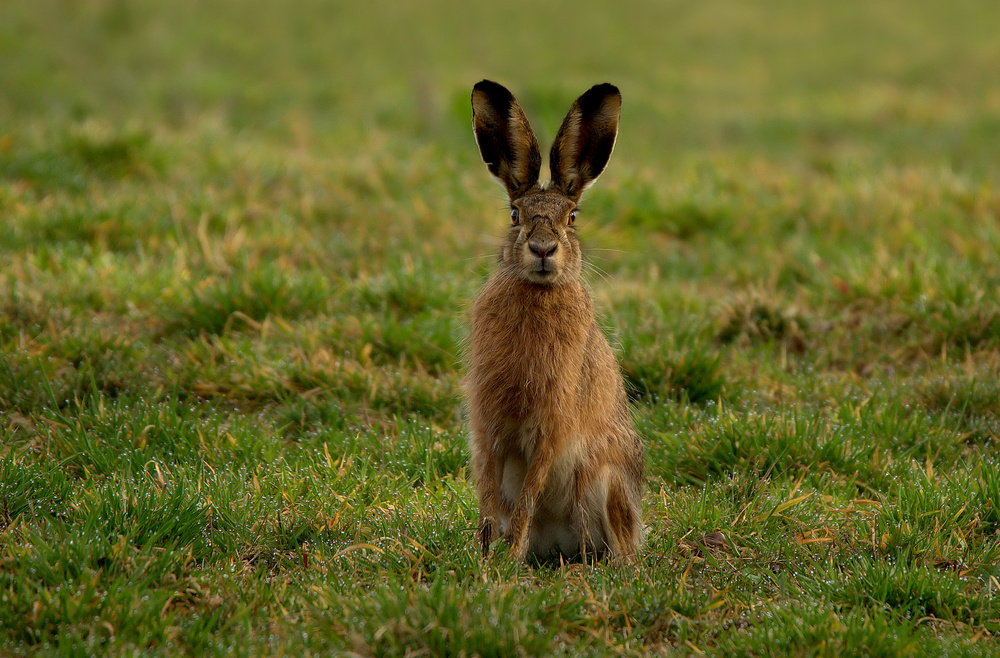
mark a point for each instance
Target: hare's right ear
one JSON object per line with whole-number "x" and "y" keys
{"x": 506, "y": 142}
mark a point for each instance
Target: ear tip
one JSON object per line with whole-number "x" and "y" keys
{"x": 603, "y": 95}
{"x": 607, "y": 89}
{"x": 492, "y": 90}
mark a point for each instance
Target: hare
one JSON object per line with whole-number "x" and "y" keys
{"x": 557, "y": 460}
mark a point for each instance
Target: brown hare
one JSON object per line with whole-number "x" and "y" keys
{"x": 557, "y": 460}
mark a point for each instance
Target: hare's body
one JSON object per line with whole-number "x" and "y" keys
{"x": 557, "y": 460}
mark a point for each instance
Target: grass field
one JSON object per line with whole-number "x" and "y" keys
{"x": 238, "y": 246}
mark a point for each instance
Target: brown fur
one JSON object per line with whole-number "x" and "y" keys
{"x": 557, "y": 460}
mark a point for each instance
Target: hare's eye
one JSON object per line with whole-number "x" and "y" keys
{"x": 572, "y": 217}
{"x": 513, "y": 216}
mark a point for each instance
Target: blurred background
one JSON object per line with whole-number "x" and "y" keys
{"x": 829, "y": 85}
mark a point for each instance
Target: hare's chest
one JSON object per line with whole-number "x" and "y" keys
{"x": 527, "y": 352}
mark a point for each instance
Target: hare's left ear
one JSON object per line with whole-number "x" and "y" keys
{"x": 585, "y": 140}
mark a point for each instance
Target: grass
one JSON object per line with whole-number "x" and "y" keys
{"x": 240, "y": 244}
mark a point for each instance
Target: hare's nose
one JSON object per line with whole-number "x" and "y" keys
{"x": 543, "y": 249}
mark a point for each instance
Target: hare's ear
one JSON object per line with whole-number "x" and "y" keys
{"x": 585, "y": 140}
{"x": 506, "y": 142}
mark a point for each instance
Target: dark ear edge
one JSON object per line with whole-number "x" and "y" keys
{"x": 586, "y": 139}
{"x": 505, "y": 139}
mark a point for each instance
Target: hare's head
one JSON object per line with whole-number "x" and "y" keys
{"x": 542, "y": 246}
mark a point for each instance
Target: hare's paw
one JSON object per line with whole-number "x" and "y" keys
{"x": 486, "y": 534}
{"x": 517, "y": 537}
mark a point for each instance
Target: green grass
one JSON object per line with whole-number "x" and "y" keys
{"x": 240, "y": 241}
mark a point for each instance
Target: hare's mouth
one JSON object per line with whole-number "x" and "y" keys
{"x": 543, "y": 272}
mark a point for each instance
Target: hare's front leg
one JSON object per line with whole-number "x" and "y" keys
{"x": 583, "y": 481}
{"x": 534, "y": 483}
{"x": 486, "y": 465}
